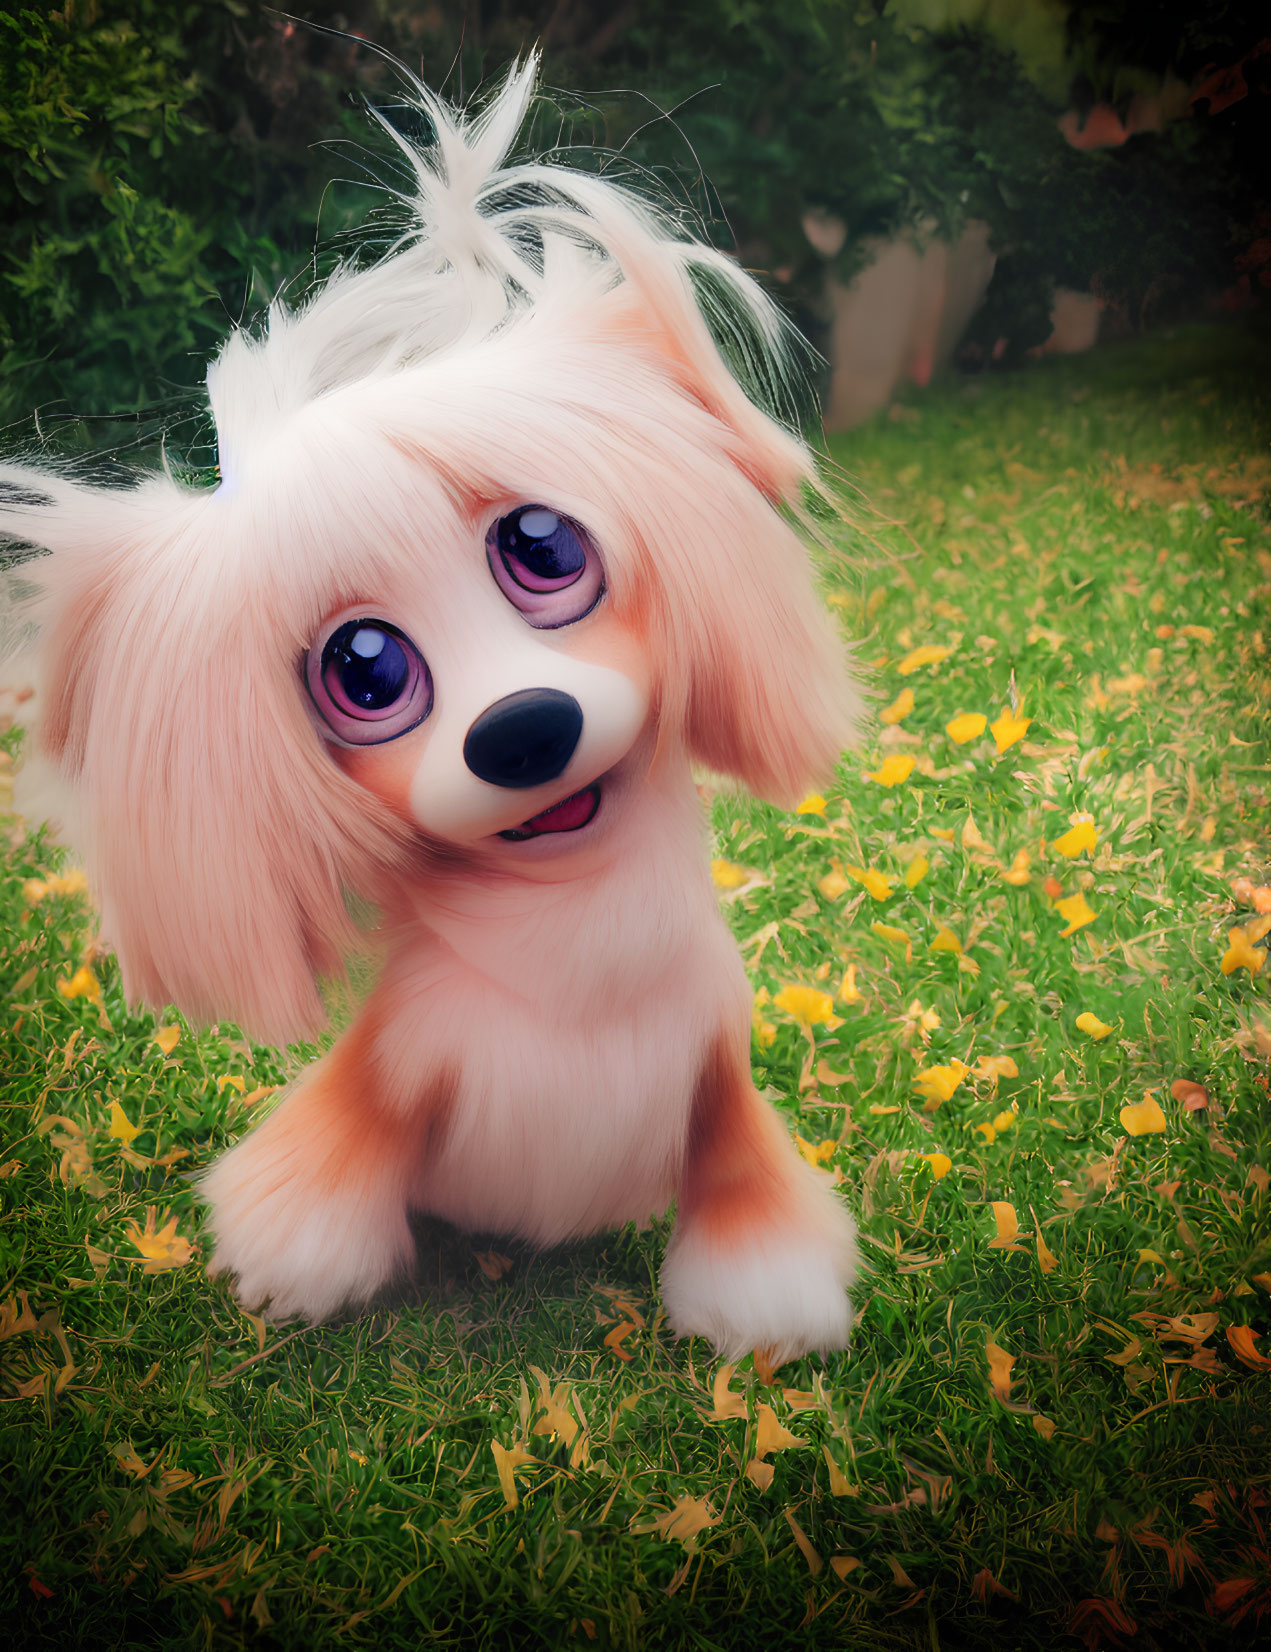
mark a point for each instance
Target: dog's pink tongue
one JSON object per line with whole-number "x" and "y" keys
{"x": 566, "y": 816}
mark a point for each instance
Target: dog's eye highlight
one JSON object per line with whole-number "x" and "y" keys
{"x": 545, "y": 565}
{"x": 368, "y": 682}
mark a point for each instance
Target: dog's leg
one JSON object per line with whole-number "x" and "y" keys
{"x": 763, "y": 1250}
{"x": 309, "y": 1210}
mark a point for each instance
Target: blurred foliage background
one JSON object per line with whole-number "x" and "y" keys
{"x": 170, "y": 164}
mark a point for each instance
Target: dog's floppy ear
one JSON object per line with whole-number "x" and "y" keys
{"x": 765, "y": 691}
{"x": 216, "y": 832}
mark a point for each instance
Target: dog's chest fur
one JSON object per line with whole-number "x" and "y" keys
{"x": 574, "y": 1016}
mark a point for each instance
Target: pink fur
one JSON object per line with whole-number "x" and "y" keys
{"x": 537, "y": 1057}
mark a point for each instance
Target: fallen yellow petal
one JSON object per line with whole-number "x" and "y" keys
{"x": 83, "y": 984}
{"x": 969, "y": 726}
{"x": 937, "y": 1084}
{"x": 120, "y": 1128}
{"x": 833, "y": 884}
{"x": 928, "y": 654}
{"x": 770, "y": 1435}
{"x": 728, "y": 875}
{"x": 849, "y": 992}
{"x": 894, "y": 934}
{"x": 1000, "y": 1363}
{"x": 987, "y": 1131}
{"x": 1083, "y": 834}
{"x": 1241, "y": 1339}
{"x": 1046, "y": 1258}
{"x": 1018, "y": 873}
{"x": 995, "y": 1067}
{"x": 231, "y": 1081}
{"x": 1143, "y": 1118}
{"x": 506, "y": 1462}
{"x": 1240, "y": 954}
{"x": 875, "y": 883}
{"x": 162, "y": 1249}
{"x": 946, "y": 941}
{"x": 816, "y": 1153}
{"x": 727, "y": 1404}
{"x": 813, "y": 804}
{"x": 899, "y": 709}
{"x": 682, "y": 1523}
{"x": 1077, "y": 911}
{"x": 1092, "y": 1025}
{"x": 972, "y": 839}
{"x": 839, "y": 1484}
{"x": 1008, "y": 729}
{"x": 895, "y": 768}
{"x": 916, "y": 871}
{"x": 941, "y": 1164}
{"x": 167, "y": 1037}
{"x": 1004, "y": 1121}
{"x": 808, "y": 1006}
{"x": 806, "y": 1549}
{"x": 1007, "y": 1226}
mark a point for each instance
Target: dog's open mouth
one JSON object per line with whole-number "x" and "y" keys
{"x": 571, "y": 814}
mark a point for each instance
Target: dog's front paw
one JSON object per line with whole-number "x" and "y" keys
{"x": 301, "y": 1250}
{"x": 781, "y": 1292}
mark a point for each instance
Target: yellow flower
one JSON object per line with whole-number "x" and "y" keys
{"x": 167, "y": 1037}
{"x": 941, "y": 1164}
{"x": 894, "y": 769}
{"x": 83, "y": 984}
{"x": 946, "y": 941}
{"x": 1084, "y": 835}
{"x": 1076, "y": 909}
{"x": 1143, "y": 1118}
{"x": 1240, "y": 954}
{"x": 946, "y": 834}
{"x": 916, "y": 871}
{"x": 1091, "y": 1024}
{"x": 928, "y": 654}
{"x": 1004, "y": 1121}
{"x": 937, "y": 1084}
{"x": 813, "y": 804}
{"x": 876, "y": 883}
{"x": 1018, "y": 873}
{"x": 808, "y": 1006}
{"x": 899, "y": 709}
{"x": 1008, "y": 729}
{"x": 969, "y": 726}
{"x": 849, "y": 992}
{"x": 727, "y": 875}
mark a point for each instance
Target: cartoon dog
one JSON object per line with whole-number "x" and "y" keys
{"x": 500, "y": 548}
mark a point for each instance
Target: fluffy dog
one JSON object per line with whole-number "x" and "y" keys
{"x": 500, "y": 548}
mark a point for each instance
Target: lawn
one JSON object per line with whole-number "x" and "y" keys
{"x": 1009, "y": 992}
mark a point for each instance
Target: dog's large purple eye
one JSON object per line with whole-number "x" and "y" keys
{"x": 368, "y": 681}
{"x": 545, "y": 565}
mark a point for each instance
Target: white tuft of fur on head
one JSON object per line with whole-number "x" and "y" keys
{"x": 491, "y": 238}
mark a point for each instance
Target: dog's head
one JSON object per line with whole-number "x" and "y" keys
{"x": 494, "y": 520}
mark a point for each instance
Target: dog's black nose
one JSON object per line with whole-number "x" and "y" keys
{"x": 524, "y": 739}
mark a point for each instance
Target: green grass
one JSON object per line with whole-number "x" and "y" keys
{"x": 176, "y": 1471}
